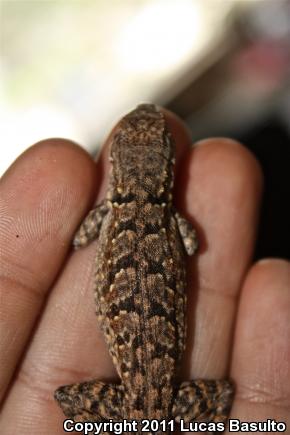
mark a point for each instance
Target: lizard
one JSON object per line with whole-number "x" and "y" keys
{"x": 140, "y": 282}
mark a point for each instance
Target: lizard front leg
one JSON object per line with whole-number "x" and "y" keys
{"x": 90, "y": 227}
{"x": 187, "y": 233}
{"x": 207, "y": 400}
{"x": 91, "y": 401}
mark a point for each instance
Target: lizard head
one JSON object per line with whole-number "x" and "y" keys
{"x": 142, "y": 156}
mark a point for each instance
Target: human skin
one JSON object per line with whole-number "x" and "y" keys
{"x": 238, "y": 311}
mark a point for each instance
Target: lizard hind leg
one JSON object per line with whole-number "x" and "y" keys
{"x": 91, "y": 401}
{"x": 203, "y": 400}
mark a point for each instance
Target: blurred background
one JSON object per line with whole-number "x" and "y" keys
{"x": 72, "y": 68}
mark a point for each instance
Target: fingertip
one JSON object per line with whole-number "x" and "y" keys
{"x": 271, "y": 265}
{"x": 267, "y": 278}
{"x": 218, "y": 170}
{"x": 52, "y": 167}
{"x": 233, "y": 160}
{"x": 44, "y": 194}
{"x": 265, "y": 304}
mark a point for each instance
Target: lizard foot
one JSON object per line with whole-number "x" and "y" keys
{"x": 90, "y": 401}
{"x": 206, "y": 400}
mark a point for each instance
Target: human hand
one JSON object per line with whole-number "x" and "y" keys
{"x": 238, "y": 313}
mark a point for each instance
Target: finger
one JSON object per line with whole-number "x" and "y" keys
{"x": 43, "y": 196}
{"x": 261, "y": 354}
{"x": 221, "y": 187}
{"x": 67, "y": 346}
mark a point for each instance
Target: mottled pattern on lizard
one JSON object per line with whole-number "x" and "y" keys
{"x": 140, "y": 287}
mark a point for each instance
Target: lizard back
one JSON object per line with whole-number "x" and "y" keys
{"x": 140, "y": 266}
